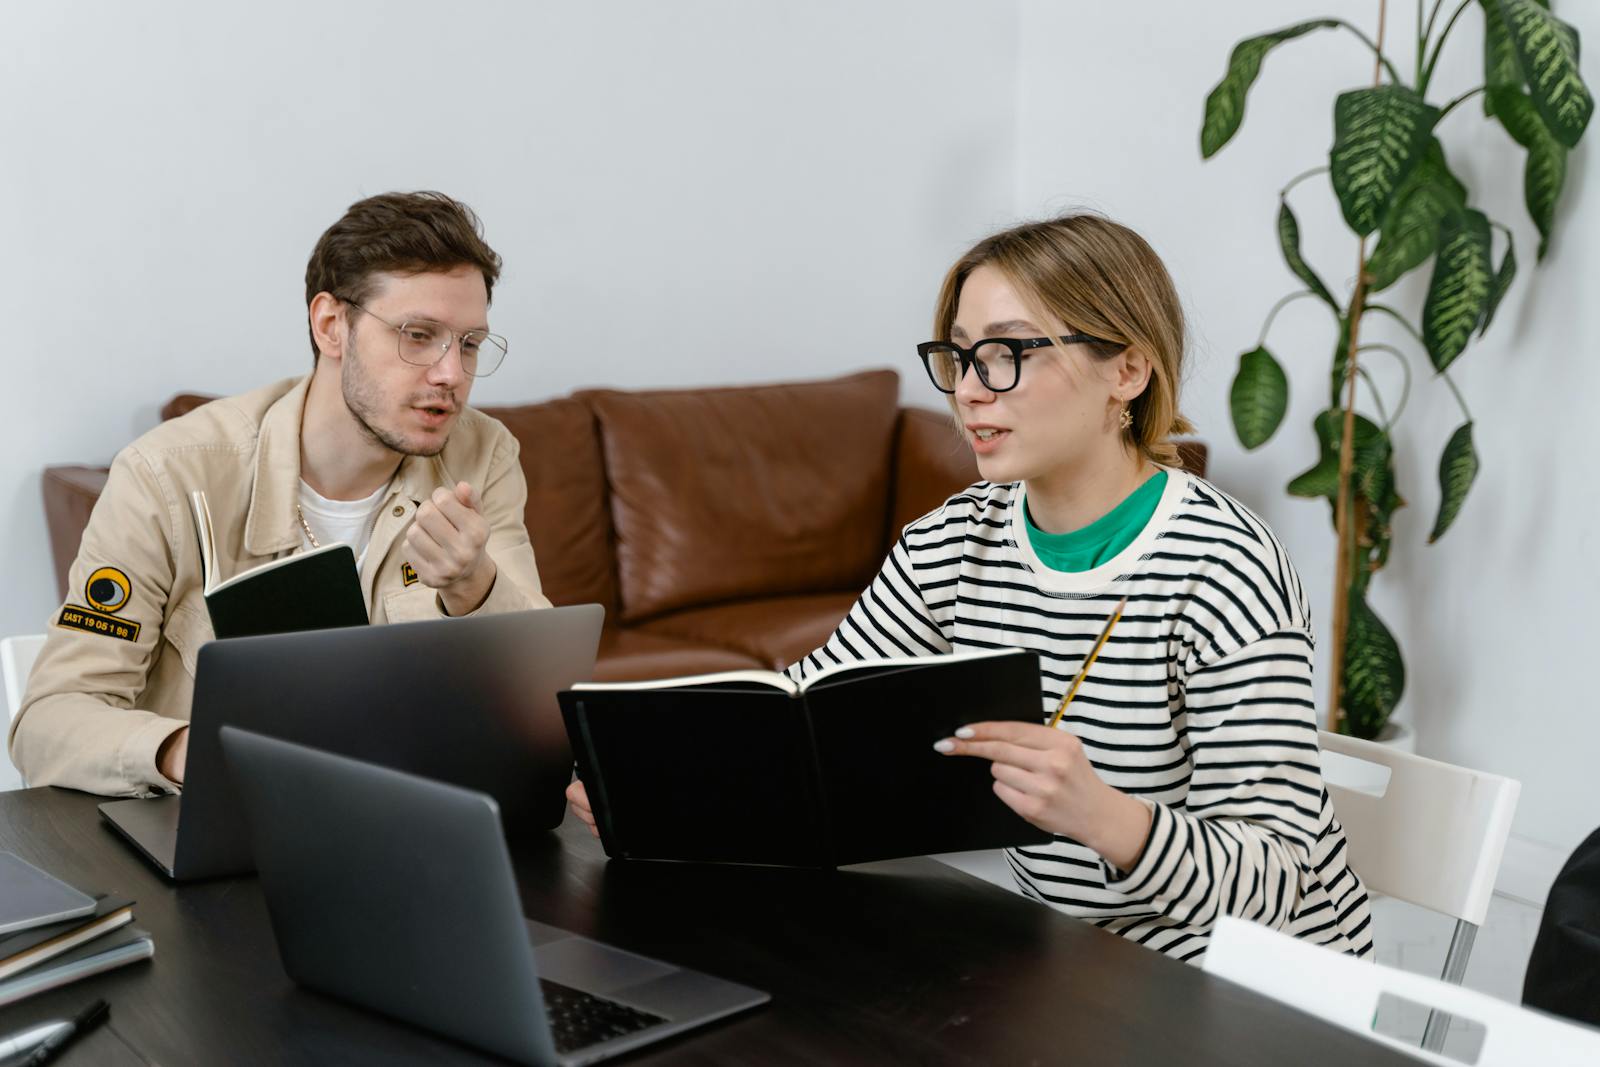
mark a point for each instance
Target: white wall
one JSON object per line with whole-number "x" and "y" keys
{"x": 704, "y": 191}
{"x": 1496, "y": 621}
{"x": 687, "y": 192}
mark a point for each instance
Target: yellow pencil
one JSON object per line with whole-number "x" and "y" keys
{"x": 1072, "y": 690}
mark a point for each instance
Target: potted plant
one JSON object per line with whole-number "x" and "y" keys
{"x": 1405, "y": 205}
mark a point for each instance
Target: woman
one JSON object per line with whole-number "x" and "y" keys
{"x": 1183, "y": 781}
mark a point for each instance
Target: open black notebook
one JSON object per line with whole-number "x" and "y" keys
{"x": 314, "y": 590}
{"x": 748, "y": 767}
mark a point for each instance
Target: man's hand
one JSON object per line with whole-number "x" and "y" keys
{"x": 1044, "y": 776}
{"x": 578, "y": 801}
{"x": 173, "y": 755}
{"x": 446, "y": 542}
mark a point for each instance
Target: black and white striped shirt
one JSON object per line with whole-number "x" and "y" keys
{"x": 1200, "y": 704}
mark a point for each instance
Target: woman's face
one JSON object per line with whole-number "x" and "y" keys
{"x": 1064, "y": 410}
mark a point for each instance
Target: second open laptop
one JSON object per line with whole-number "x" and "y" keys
{"x": 397, "y": 893}
{"x": 470, "y": 701}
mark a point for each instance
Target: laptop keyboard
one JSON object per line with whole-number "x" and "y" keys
{"x": 579, "y": 1019}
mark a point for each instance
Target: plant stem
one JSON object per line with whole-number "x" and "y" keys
{"x": 1279, "y": 306}
{"x": 1432, "y": 16}
{"x": 1377, "y": 49}
{"x": 1438, "y": 46}
{"x": 1298, "y": 178}
{"x": 1345, "y": 562}
{"x": 1377, "y": 398}
{"x": 1405, "y": 367}
{"x": 1459, "y": 398}
{"x": 1468, "y": 95}
{"x": 1401, "y": 319}
{"x": 1422, "y": 35}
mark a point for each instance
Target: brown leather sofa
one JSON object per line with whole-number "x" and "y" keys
{"x": 721, "y": 528}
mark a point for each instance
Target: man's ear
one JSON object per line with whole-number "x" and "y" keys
{"x": 1133, "y": 373}
{"x": 329, "y": 324}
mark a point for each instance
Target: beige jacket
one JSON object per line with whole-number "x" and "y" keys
{"x": 116, "y": 674}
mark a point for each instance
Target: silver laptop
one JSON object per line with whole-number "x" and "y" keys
{"x": 397, "y": 893}
{"x": 471, "y": 701}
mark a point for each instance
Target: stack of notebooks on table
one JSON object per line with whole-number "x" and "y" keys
{"x": 51, "y": 934}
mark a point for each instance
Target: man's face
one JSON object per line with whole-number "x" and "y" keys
{"x": 407, "y": 408}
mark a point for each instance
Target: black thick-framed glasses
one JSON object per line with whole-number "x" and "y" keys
{"x": 998, "y": 359}
{"x": 423, "y": 342}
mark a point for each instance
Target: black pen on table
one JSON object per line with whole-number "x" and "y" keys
{"x": 84, "y": 1021}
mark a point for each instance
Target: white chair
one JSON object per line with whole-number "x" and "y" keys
{"x": 16, "y": 661}
{"x": 990, "y": 865}
{"x": 1423, "y": 831}
{"x": 1345, "y": 991}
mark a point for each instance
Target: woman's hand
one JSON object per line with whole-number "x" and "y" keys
{"x": 578, "y": 801}
{"x": 1044, "y": 776}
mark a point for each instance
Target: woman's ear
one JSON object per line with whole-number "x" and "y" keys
{"x": 328, "y": 324}
{"x": 1133, "y": 369}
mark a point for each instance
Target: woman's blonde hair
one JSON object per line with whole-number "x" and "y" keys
{"x": 1093, "y": 276}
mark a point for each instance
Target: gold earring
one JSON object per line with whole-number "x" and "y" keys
{"x": 1127, "y": 418}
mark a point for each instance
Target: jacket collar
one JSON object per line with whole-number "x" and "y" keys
{"x": 271, "y": 526}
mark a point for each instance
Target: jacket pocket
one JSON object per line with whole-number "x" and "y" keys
{"x": 411, "y": 605}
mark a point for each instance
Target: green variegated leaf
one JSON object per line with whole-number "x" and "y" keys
{"x": 1289, "y": 241}
{"x": 1545, "y": 171}
{"x": 1411, "y": 229}
{"x": 1499, "y": 58}
{"x": 1374, "y": 673}
{"x": 1371, "y": 453}
{"x": 1372, "y": 466}
{"x": 1225, "y": 104}
{"x": 1515, "y": 110}
{"x": 1502, "y": 282}
{"x": 1379, "y": 135}
{"x": 1547, "y": 52}
{"x": 1383, "y": 502}
{"x": 1543, "y": 175}
{"x": 1259, "y": 398}
{"x": 1458, "y": 294}
{"x": 1322, "y": 479}
{"x": 1458, "y": 466}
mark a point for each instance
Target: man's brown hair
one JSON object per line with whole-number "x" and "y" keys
{"x": 397, "y": 233}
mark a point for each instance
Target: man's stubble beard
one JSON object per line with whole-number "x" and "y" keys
{"x": 363, "y": 400}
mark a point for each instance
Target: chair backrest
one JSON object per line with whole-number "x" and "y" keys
{"x": 16, "y": 661}
{"x": 1345, "y": 991}
{"x": 1432, "y": 834}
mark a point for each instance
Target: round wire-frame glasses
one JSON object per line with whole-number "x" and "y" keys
{"x": 423, "y": 342}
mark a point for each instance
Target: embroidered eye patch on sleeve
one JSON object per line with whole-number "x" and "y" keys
{"x": 107, "y": 592}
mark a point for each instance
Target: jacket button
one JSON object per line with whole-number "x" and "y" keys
{"x": 399, "y": 511}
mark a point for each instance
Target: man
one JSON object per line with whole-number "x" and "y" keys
{"x": 376, "y": 447}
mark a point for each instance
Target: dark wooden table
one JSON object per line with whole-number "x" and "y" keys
{"x": 903, "y": 962}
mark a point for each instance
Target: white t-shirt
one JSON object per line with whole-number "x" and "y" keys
{"x": 350, "y": 521}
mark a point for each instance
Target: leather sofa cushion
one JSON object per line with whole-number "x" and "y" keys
{"x": 777, "y": 631}
{"x": 722, "y": 494}
{"x": 69, "y": 496}
{"x": 184, "y": 403}
{"x": 932, "y": 461}
{"x": 566, "y": 515}
{"x": 627, "y": 655}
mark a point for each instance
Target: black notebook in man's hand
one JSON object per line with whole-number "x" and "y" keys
{"x": 314, "y": 590}
{"x": 748, "y": 767}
